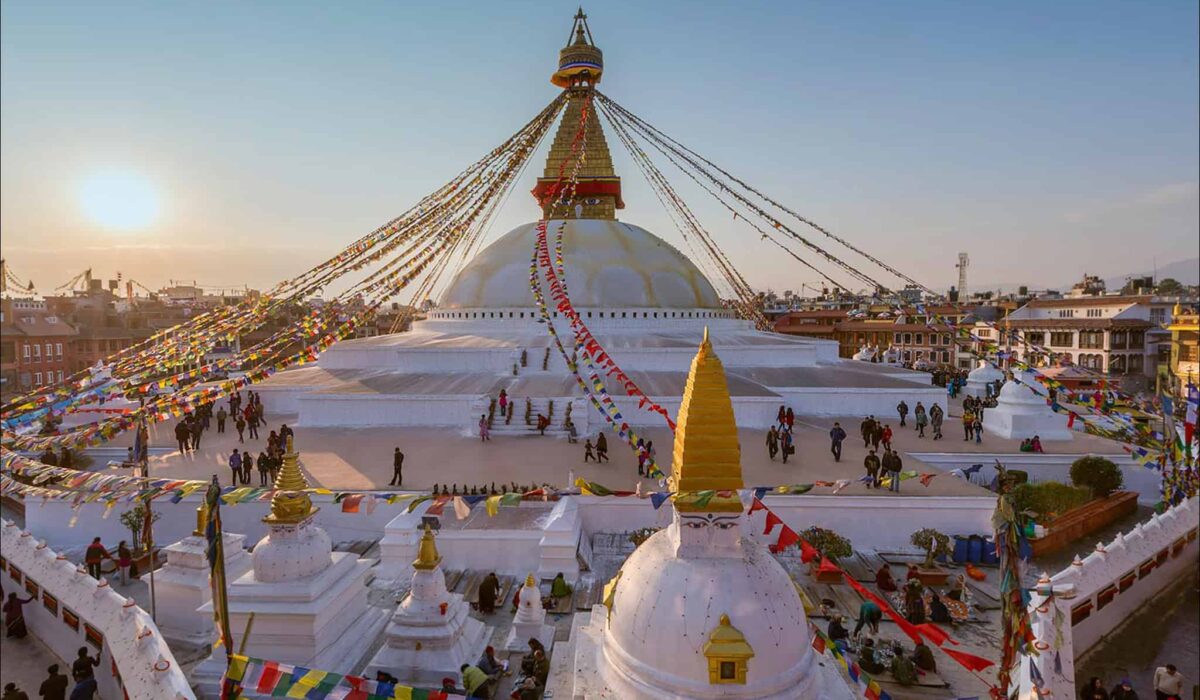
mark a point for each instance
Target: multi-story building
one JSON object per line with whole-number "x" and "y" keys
{"x": 913, "y": 340}
{"x": 1184, "y": 359}
{"x": 818, "y": 323}
{"x": 1102, "y": 333}
{"x": 40, "y": 346}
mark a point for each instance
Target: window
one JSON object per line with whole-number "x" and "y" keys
{"x": 946, "y": 356}
{"x": 728, "y": 671}
{"x": 896, "y": 340}
{"x": 1091, "y": 339}
{"x": 1095, "y": 313}
{"x": 37, "y": 352}
{"x": 37, "y": 378}
{"x": 93, "y": 636}
{"x": 49, "y": 350}
{"x": 1062, "y": 339}
{"x": 1035, "y": 338}
{"x": 1120, "y": 340}
{"x": 50, "y": 603}
{"x": 1158, "y": 315}
{"x": 25, "y": 351}
{"x": 32, "y": 588}
{"x": 60, "y": 378}
{"x": 908, "y": 338}
{"x": 1066, "y": 313}
{"x": 14, "y": 573}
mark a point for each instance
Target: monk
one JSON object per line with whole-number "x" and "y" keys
{"x": 489, "y": 588}
{"x": 884, "y": 580}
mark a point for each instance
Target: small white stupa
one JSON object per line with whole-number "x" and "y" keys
{"x": 865, "y": 353}
{"x": 183, "y": 583}
{"x": 1022, "y": 413}
{"x": 979, "y": 378}
{"x": 530, "y": 620}
{"x": 431, "y": 634}
{"x": 700, "y": 610}
{"x": 309, "y": 603}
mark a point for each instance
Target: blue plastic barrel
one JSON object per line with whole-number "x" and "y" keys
{"x": 975, "y": 549}
{"x": 989, "y": 551}
{"x": 960, "y": 549}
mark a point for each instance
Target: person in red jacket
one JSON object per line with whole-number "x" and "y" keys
{"x": 96, "y": 553}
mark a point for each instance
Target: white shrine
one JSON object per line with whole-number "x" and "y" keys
{"x": 183, "y": 584}
{"x": 979, "y": 378}
{"x": 431, "y": 634}
{"x": 700, "y": 610}
{"x": 1021, "y": 413}
{"x": 530, "y": 620}
{"x": 309, "y": 603}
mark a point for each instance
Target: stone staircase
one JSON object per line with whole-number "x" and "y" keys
{"x": 552, "y": 407}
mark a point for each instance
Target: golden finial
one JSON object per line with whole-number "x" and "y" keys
{"x": 427, "y": 554}
{"x": 291, "y": 503}
{"x": 201, "y": 519}
{"x": 707, "y": 455}
{"x": 727, "y": 652}
{"x": 529, "y": 582}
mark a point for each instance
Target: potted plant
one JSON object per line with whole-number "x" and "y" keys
{"x": 935, "y": 545}
{"x": 829, "y": 545}
{"x": 1098, "y": 474}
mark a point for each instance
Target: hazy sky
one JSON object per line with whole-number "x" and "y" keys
{"x": 1045, "y": 139}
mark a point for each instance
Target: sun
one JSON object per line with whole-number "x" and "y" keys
{"x": 119, "y": 200}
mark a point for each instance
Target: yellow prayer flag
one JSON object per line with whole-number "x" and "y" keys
{"x": 493, "y": 506}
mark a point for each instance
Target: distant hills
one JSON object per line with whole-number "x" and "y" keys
{"x": 1185, "y": 271}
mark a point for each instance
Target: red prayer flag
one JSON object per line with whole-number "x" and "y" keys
{"x": 757, "y": 505}
{"x": 926, "y": 478}
{"x": 807, "y": 552}
{"x": 350, "y": 503}
{"x": 269, "y": 677}
{"x": 787, "y": 538}
{"x": 772, "y": 521}
{"x": 934, "y": 634}
{"x": 1070, "y": 419}
{"x": 819, "y": 643}
{"x": 827, "y": 566}
{"x": 969, "y": 661}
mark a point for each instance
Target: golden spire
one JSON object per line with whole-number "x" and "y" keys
{"x": 290, "y": 504}
{"x": 201, "y": 519}
{"x": 427, "y": 554}
{"x": 529, "y": 582}
{"x": 597, "y": 189}
{"x": 707, "y": 455}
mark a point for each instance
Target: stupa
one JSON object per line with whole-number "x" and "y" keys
{"x": 183, "y": 583}
{"x": 980, "y": 378}
{"x": 1022, "y": 413}
{"x": 530, "y": 620}
{"x": 642, "y": 298}
{"x": 309, "y": 603}
{"x": 700, "y": 610}
{"x": 431, "y": 634}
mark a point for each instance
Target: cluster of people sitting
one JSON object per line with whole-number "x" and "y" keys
{"x": 1033, "y": 444}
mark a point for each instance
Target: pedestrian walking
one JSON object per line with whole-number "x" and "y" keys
{"x": 12, "y": 692}
{"x": 772, "y": 443}
{"x": 1168, "y": 683}
{"x": 55, "y": 685}
{"x": 14, "y": 616}
{"x": 124, "y": 561}
{"x": 221, "y": 417}
{"x": 601, "y": 448}
{"x": 977, "y": 426}
{"x": 252, "y": 422}
{"x": 902, "y": 409}
{"x": 588, "y": 454}
{"x": 893, "y": 464}
{"x": 182, "y": 436}
{"x": 867, "y": 428}
{"x": 240, "y": 423}
{"x": 885, "y": 438}
{"x": 1124, "y": 691}
{"x": 787, "y": 445}
{"x": 968, "y": 422}
{"x": 483, "y": 428}
{"x": 871, "y": 463}
{"x": 94, "y": 556}
{"x": 790, "y": 418}
{"x": 836, "y": 436}
{"x": 936, "y": 416}
{"x": 397, "y": 468}
{"x": 197, "y": 431}
{"x": 921, "y": 420}
{"x": 264, "y": 468}
{"x": 235, "y": 467}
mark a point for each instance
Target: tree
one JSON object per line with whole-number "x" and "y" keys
{"x": 933, "y": 542}
{"x": 135, "y": 520}
{"x": 1170, "y": 285}
{"x": 831, "y": 545}
{"x": 1097, "y": 474}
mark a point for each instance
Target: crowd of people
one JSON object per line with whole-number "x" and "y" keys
{"x": 1168, "y": 685}
{"x": 54, "y": 687}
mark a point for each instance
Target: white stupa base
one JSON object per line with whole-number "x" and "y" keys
{"x": 519, "y": 635}
{"x": 1047, "y": 425}
{"x": 595, "y": 674}
{"x": 423, "y": 656}
{"x": 182, "y": 586}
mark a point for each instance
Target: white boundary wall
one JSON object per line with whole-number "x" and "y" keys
{"x": 1048, "y": 467}
{"x": 1095, "y": 595}
{"x": 131, "y": 642}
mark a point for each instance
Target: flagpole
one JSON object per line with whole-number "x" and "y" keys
{"x": 216, "y": 562}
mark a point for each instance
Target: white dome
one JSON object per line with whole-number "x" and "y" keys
{"x": 290, "y": 553}
{"x": 1016, "y": 394}
{"x": 665, "y": 606}
{"x": 984, "y": 373}
{"x": 609, "y": 264}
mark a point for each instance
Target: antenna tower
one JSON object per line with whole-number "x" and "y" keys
{"x": 963, "y": 262}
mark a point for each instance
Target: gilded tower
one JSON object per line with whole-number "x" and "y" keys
{"x": 598, "y": 189}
